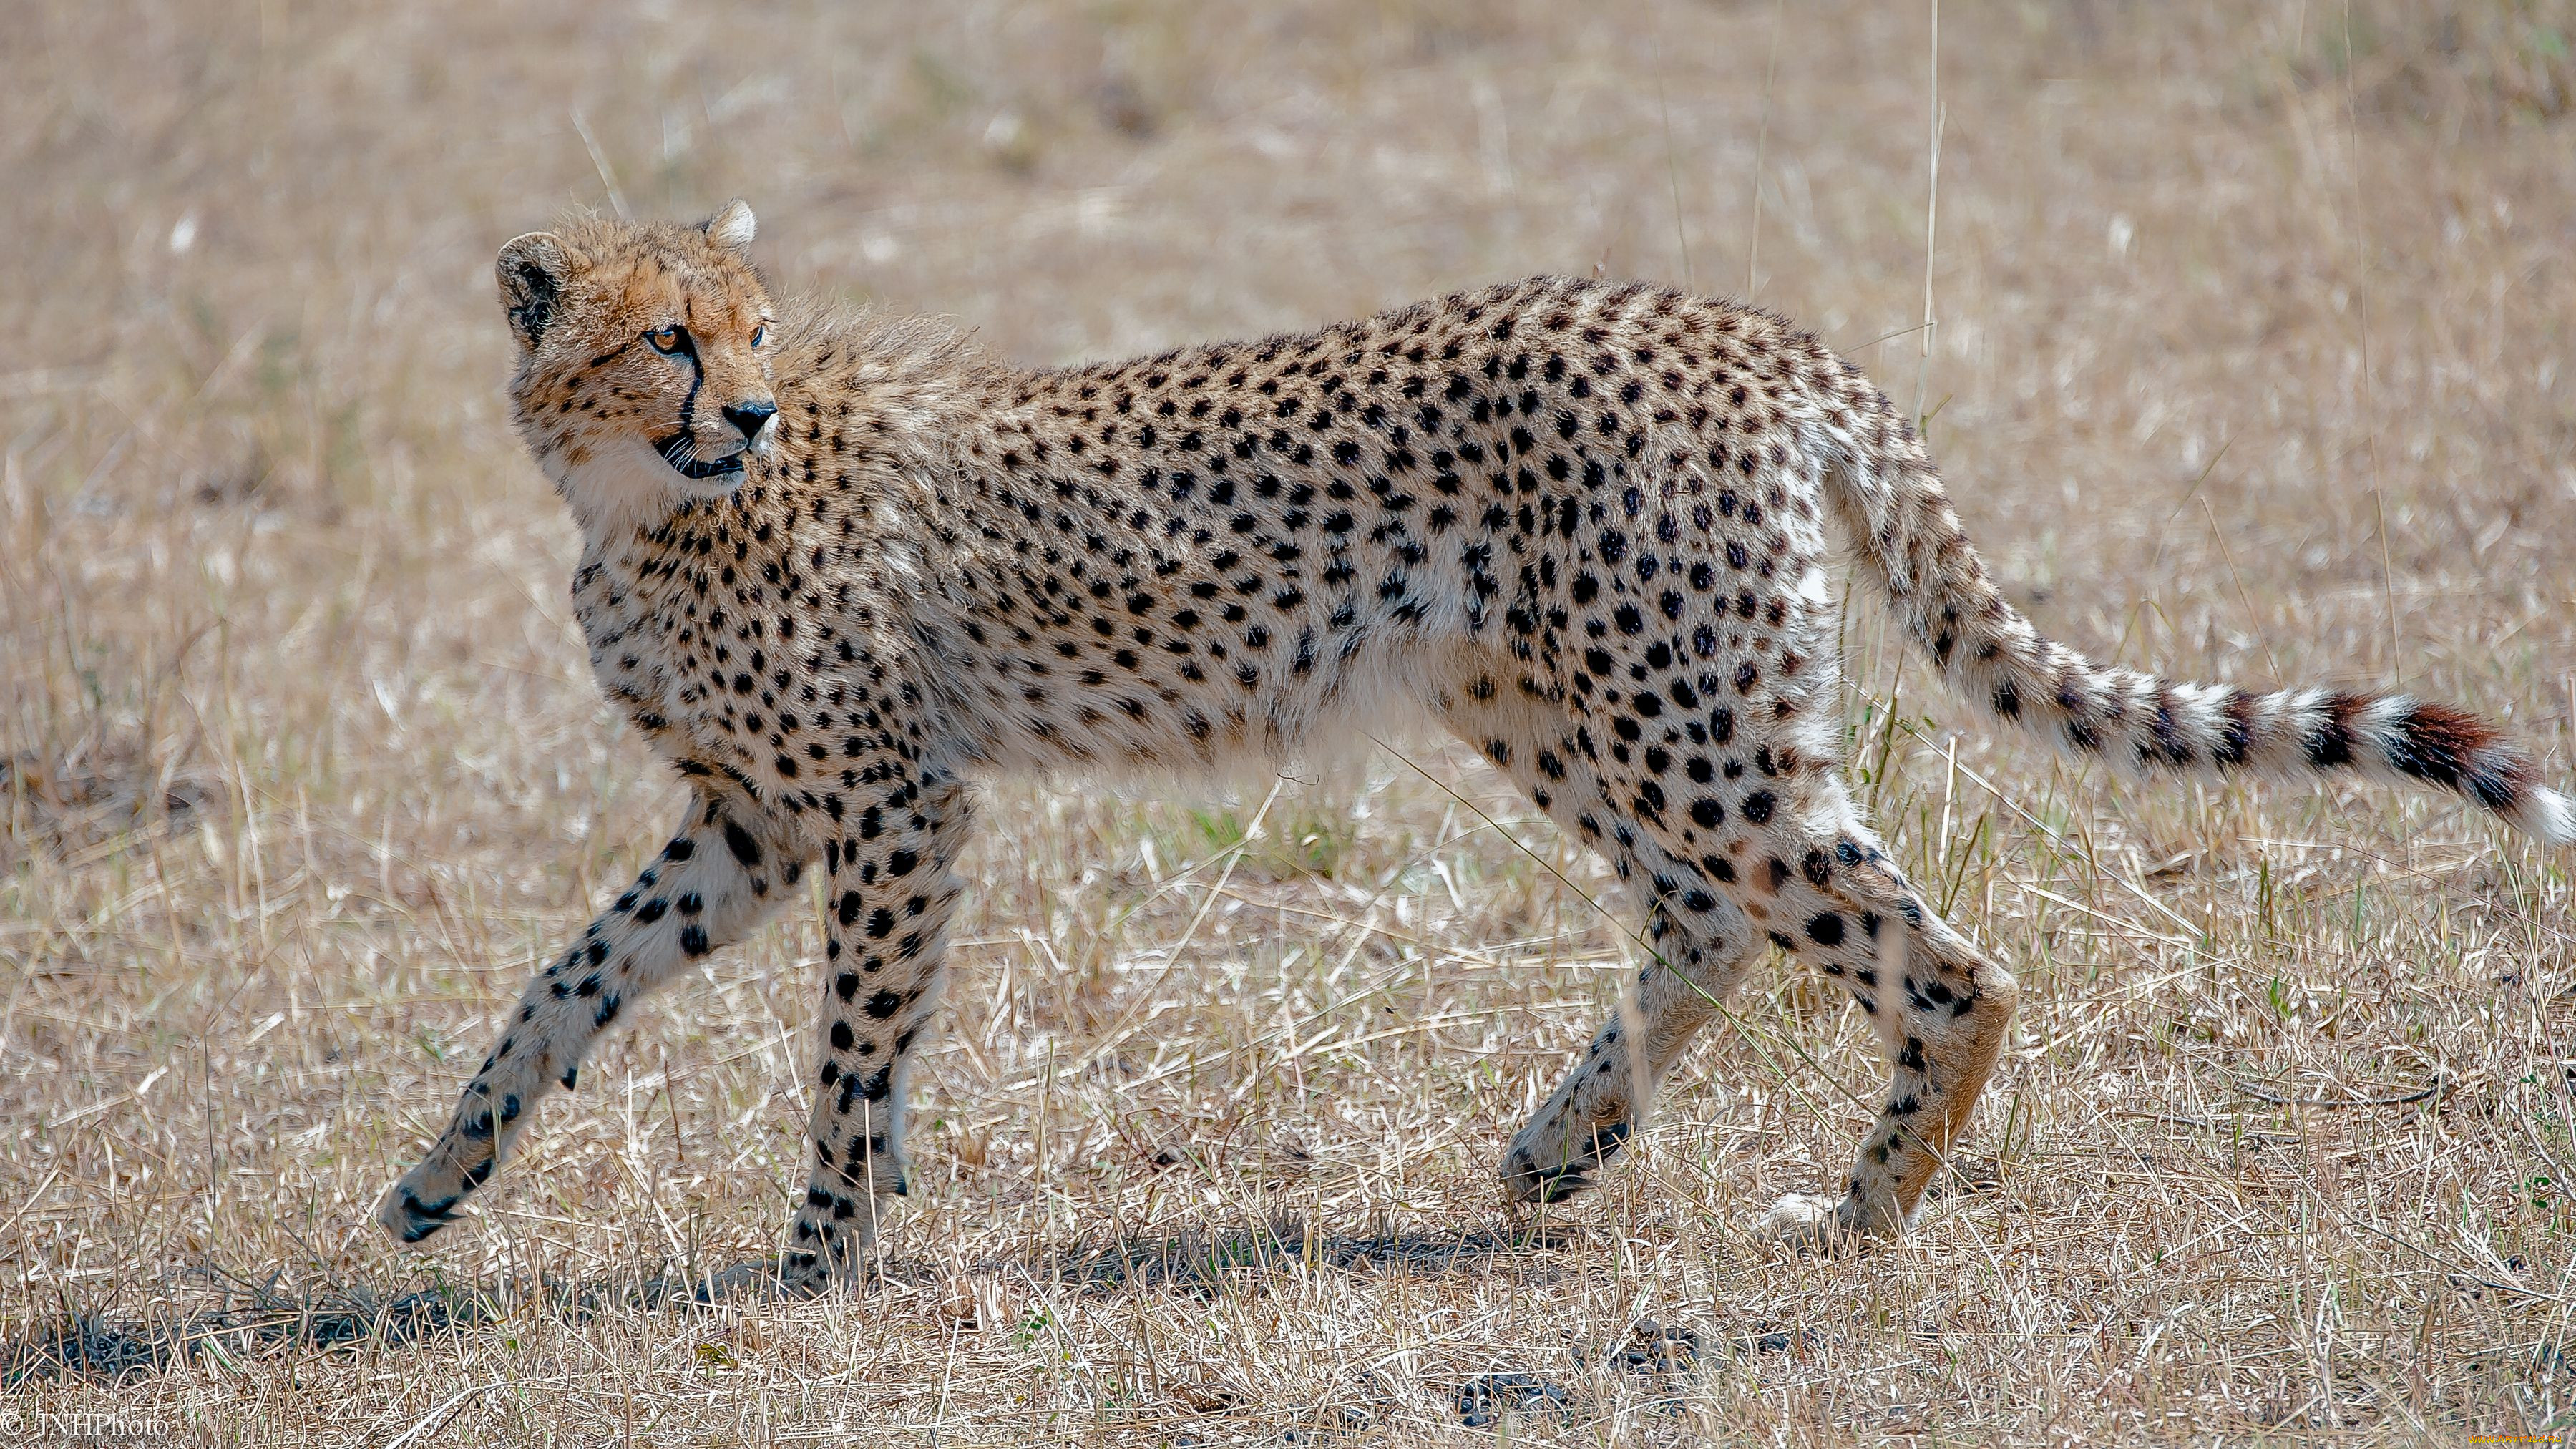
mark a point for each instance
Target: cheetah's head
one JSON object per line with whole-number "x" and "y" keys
{"x": 643, "y": 362}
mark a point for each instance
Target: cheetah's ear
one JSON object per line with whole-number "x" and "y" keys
{"x": 733, "y": 226}
{"x": 532, "y": 271}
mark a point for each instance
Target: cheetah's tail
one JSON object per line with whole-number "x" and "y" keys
{"x": 1892, "y": 502}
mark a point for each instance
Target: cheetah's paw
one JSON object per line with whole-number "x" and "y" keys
{"x": 409, "y": 1219}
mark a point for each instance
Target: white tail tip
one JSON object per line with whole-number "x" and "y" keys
{"x": 2547, "y": 816}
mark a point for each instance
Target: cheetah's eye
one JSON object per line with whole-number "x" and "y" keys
{"x": 668, "y": 340}
{"x": 757, "y": 333}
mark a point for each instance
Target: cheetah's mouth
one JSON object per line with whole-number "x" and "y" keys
{"x": 680, "y": 450}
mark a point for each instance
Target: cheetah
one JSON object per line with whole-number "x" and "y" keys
{"x": 839, "y": 568}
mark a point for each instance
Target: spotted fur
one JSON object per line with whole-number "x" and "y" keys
{"x": 1585, "y": 525}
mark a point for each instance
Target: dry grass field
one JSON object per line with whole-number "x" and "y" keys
{"x": 2252, "y": 354}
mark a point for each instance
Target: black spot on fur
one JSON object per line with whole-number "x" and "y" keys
{"x": 2329, "y": 745}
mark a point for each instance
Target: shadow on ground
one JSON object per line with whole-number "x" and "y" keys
{"x": 1208, "y": 1261}
{"x": 249, "y": 1317}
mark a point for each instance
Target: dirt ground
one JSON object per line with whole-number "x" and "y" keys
{"x": 2242, "y": 330}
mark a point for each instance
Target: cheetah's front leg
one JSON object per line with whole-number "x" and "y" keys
{"x": 892, "y": 892}
{"x": 712, "y": 884}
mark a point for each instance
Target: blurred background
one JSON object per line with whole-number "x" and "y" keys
{"x": 2242, "y": 331}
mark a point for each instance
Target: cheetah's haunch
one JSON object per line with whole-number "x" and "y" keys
{"x": 838, "y": 568}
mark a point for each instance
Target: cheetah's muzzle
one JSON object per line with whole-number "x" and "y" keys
{"x": 1585, "y": 525}
{"x": 680, "y": 451}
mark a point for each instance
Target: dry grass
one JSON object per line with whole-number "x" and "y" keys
{"x": 302, "y": 774}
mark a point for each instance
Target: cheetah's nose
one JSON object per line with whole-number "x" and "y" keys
{"x": 750, "y": 417}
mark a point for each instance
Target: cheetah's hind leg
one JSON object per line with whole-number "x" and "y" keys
{"x": 1598, "y": 1105}
{"x": 1700, "y": 943}
{"x": 1939, "y": 1007}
